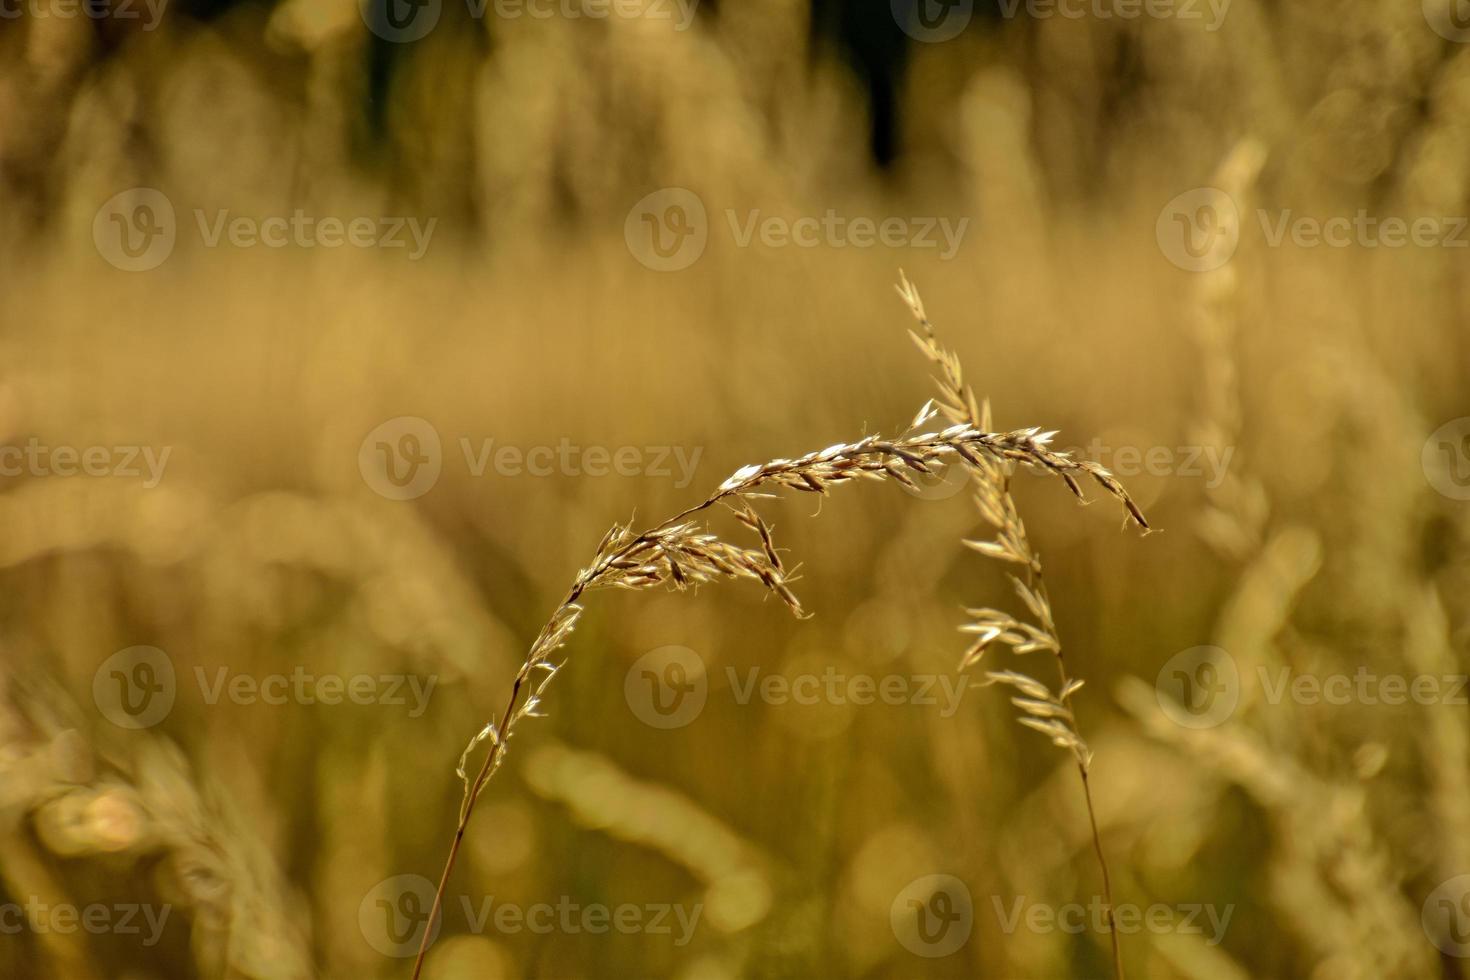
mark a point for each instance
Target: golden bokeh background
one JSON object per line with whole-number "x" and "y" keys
{"x": 1304, "y": 403}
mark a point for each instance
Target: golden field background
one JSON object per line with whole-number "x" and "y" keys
{"x": 1333, "y": 833}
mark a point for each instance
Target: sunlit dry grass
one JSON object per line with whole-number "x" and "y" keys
{"x": 1322, "y": 547}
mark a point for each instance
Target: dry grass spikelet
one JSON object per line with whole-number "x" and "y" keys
{"x": 685, "y": 551}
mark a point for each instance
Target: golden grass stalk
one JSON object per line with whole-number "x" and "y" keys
{"x": 1045, "y": 710}
{"x": 682, "y": 552}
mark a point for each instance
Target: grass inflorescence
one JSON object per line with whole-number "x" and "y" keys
{"x": 685, "y": 551}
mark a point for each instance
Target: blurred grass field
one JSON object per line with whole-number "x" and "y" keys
{"x": 1305, "y": 406}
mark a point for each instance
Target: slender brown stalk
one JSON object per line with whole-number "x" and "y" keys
{"x": 1042, "y": 709}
